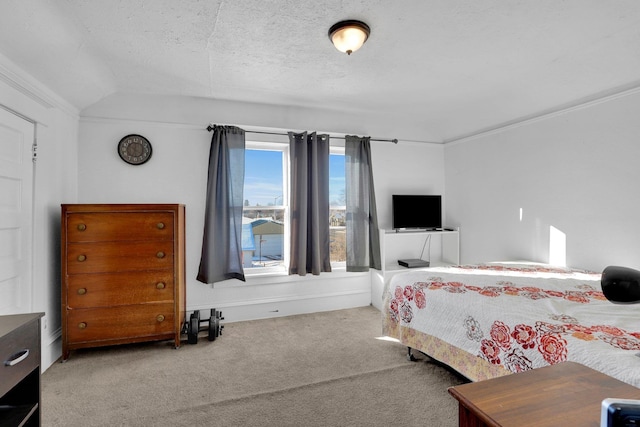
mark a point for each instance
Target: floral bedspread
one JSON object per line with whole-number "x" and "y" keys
{"x": 513, "y": 317}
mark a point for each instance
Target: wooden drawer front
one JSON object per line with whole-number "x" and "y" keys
{"x": 11, "y": 346}
{"x": 121, "y": 322}
{"x": 117, "y": 226}
{"x": 110, "y": 257}
{"x": 106, "y": 290}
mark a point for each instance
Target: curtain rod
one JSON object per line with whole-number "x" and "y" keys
{"x": 395, "y": 141}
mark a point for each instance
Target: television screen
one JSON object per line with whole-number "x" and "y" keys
{"x": 417, "y": 211}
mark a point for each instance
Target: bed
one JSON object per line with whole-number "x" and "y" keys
{"x": 495, "y": 319}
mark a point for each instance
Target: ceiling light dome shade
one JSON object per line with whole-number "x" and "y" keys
{"x": 349, "y": 36}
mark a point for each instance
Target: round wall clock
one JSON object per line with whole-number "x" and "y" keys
{"x": 134, "y": 149}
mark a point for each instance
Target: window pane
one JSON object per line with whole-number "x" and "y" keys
{"x": 338, "y": 245}
{"x": 337, "y": 209}
{"x": 264, "y": 209}
{"x": 337, "y": 194}
{"x": 263, "y": 178}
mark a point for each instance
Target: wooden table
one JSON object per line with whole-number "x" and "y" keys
{"x": 566, "y": 394}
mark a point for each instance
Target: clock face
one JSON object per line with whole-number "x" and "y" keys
{"x": 134, "y": 149}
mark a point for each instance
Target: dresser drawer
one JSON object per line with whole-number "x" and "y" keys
{"x": 111, "y": 257}
{"x": 118, "y": 323}
{"x": 119, "y": 226}
{"x": 12, "y": 350}
{"x": 109, "y": 289}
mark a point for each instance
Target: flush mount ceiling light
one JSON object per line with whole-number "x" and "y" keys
{"x": 349, "y": 36}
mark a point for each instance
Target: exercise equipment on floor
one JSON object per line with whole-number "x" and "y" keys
{"x": 195, "y": 325}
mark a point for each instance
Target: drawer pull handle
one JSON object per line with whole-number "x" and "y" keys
{"x": 82, "y": 258}
{"x": 82, "y": 325}
{"x": 82, "y": 291}
{"x": 160, "y": 285}
{"x": 160, "y": 254}
{"x": 82, "y": 227}
{"x": 160, "y": 225}
{"x": 160, "y": 318}
{"x": 17, "y": 358}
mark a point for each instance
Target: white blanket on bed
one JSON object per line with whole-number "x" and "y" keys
{"x": 521, "y": 316}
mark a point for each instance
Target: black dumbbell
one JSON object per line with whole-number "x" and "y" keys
{"x": 215, "y": 328}
{"x": 212, "y": 325}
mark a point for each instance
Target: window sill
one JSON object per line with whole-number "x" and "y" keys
{"x": 257, "y": 279}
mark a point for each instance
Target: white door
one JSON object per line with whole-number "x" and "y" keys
{"x": 16, "y": 188}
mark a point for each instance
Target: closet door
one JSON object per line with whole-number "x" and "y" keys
{"x": 16, "y": 221}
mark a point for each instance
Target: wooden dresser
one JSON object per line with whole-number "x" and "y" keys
{"x": 123, "y": 274}
{"x": 20, "y": 370}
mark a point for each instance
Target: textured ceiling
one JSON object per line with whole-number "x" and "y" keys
{"x": 452, "y": 67}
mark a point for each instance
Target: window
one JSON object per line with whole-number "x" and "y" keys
{"x": 264, "y": 222}
{"x": 337, "y": 207}
{"x": 265, "y": 228}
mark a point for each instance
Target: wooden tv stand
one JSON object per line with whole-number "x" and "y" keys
{"x": 566, "y": 394}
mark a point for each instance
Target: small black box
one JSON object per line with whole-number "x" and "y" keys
{"x": 413, "y": 263}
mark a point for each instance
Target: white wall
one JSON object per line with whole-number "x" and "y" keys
{"x": 406, "y": 168}
{"x": 55, "y": 181}
{"x": 576, "y": 171}
{"x": 177, "y": 173}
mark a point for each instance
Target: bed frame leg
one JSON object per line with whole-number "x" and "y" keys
{"x": 410, "y": 356}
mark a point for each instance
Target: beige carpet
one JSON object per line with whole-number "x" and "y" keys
{"x": 322, "y": 369}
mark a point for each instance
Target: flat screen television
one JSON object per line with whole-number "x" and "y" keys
{"x": 417, "y": 211}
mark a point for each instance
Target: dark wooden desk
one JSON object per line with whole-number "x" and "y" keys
{"x": 566, "y": 394}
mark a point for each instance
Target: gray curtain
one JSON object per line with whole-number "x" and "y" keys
{"x": 363, "y": 238}
{"x": 309, "y": 155}
{"x": 221, "y": 257}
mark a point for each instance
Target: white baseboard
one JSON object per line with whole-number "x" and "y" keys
{"x": 287, "y": 305}
{"x": 51, "y": 350}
